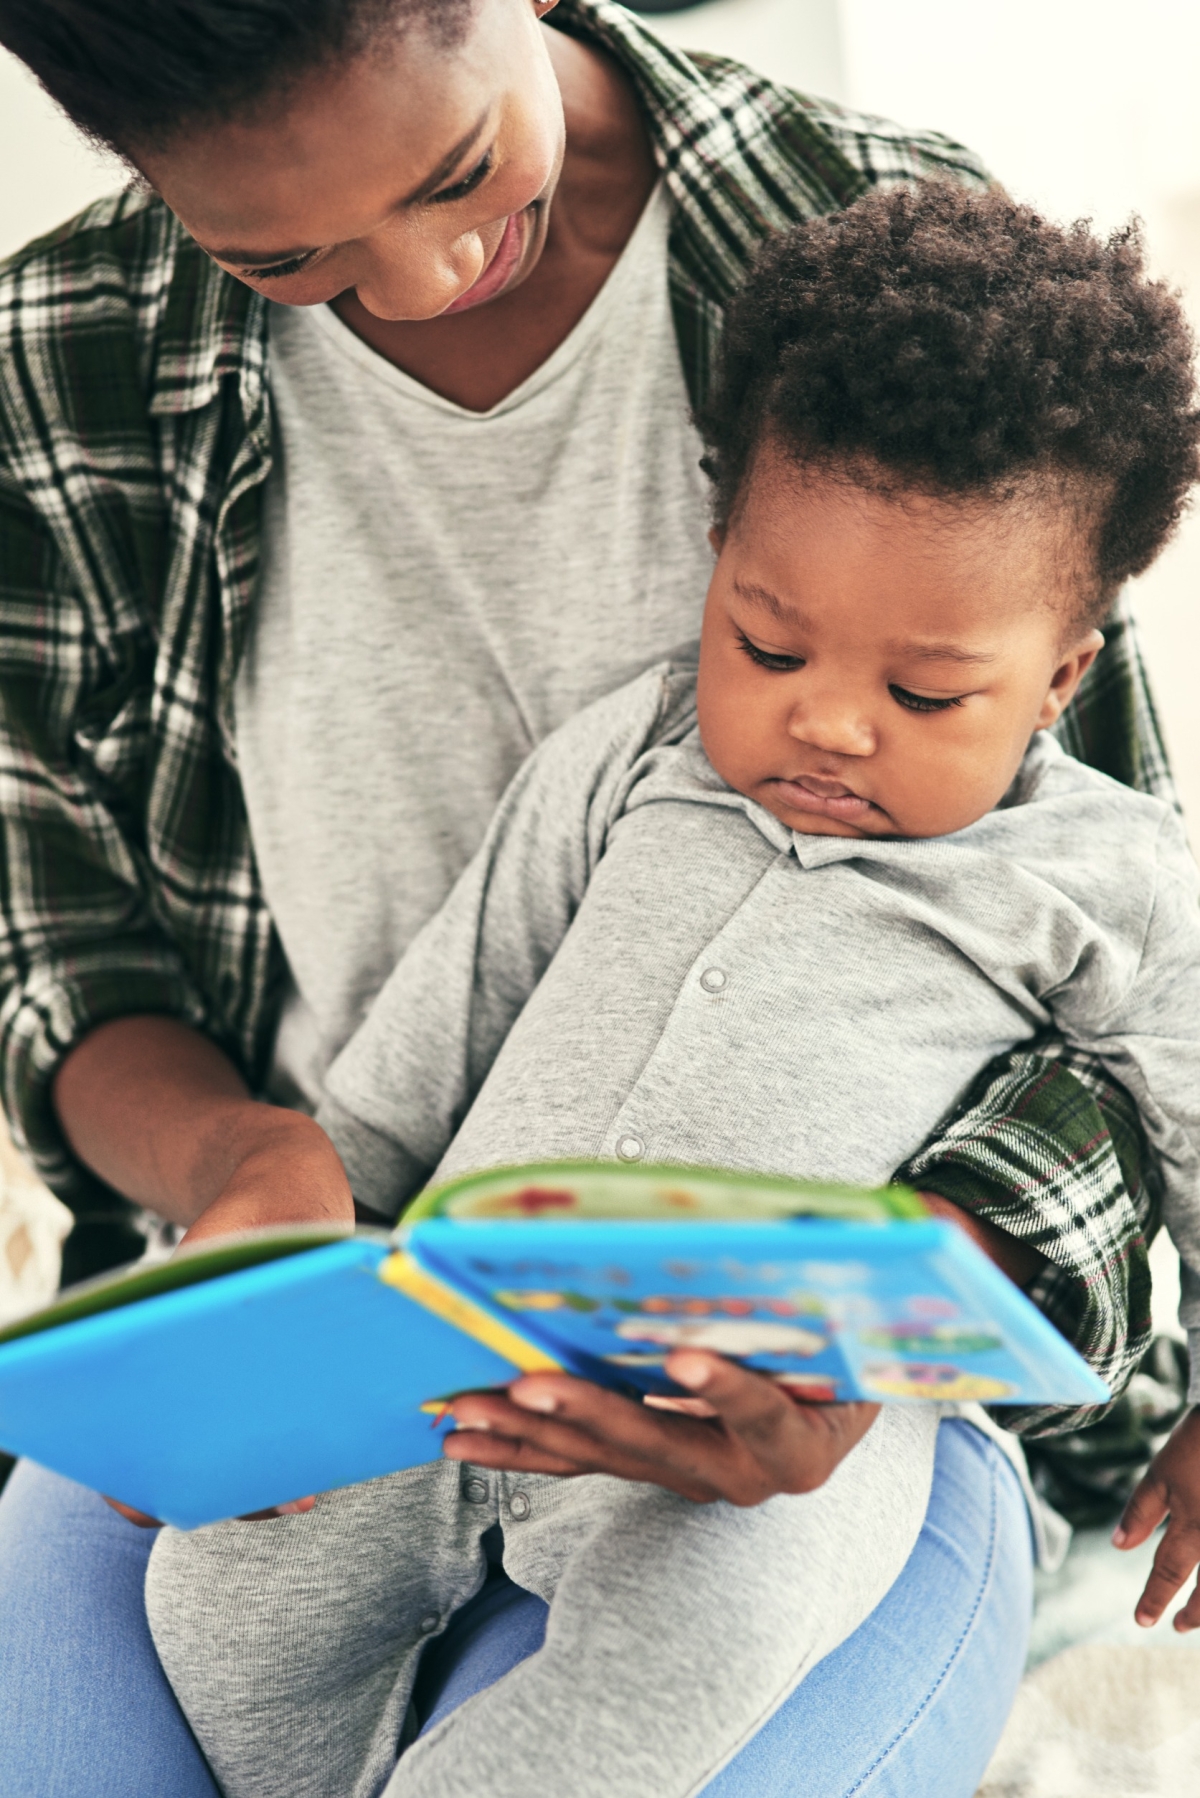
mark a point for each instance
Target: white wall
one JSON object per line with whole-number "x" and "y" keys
{"x": 795, "y": 41}
{"x": 49, "y": 172}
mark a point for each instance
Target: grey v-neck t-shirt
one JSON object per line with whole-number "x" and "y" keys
{"x": 441, "y": 589}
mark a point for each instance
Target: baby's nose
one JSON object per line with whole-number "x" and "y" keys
{"x": 834, "y": 729}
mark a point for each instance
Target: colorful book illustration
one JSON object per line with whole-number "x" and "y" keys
{"x": 268, "y": 1367}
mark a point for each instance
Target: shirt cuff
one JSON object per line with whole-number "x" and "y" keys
{"x": 381, "y": 1172}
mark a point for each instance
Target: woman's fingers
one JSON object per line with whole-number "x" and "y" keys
{"x": 555, "y": 1417}
{"x": 757, "y": 1442}
{"x": 794, "y": 1445}
{"x": 142, "y": 1518}
{"x": 292, "y": 1509}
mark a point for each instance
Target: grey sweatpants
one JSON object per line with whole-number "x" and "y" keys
{"x": 675, "y": 1629}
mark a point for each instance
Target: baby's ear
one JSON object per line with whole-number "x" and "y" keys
{"x": 1067, "y": 676}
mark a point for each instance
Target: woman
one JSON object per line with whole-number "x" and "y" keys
{"x": 342, "y": 460}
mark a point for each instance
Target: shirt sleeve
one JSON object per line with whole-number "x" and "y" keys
{"x": 1079, "y": 1147}
{"x": 1050, "y": 1149}
{"x": 1149, "y": 1041}
{"x": 80, "y": 941}
{"x": 398, "y": 1091}
{"x": 888, "y": 155}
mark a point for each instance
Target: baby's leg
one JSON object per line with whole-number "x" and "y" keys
{"x": 676, "y": 1629}
{"x": 292, "y": 1643}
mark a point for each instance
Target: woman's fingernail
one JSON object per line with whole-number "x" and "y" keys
{"x": 690, "y": 1371}
{"x": 1120, "y": 1536}
{"x": 536, "y": 1401}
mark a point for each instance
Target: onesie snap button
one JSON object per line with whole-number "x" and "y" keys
{"x": 475, "y": 1491}
{"x": 518, "y": 1504}
{"x": 429, "y": 1623}
{"x": 713, "y": 979}
{"x": 631, "y": 1148}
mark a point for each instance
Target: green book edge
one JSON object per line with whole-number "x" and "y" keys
{"x": 485, "y": 1195}
{"x": 128, "y": 1284}
{"x": 654, "y": 1191}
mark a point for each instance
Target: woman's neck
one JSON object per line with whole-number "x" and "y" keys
{"x": 476, "y": 358}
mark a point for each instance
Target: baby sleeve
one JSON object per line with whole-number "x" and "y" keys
{"x": 399, "y": 1089}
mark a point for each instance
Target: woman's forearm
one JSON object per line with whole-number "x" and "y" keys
{"x": 160, "y": 1114}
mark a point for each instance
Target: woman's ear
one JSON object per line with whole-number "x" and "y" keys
{"x": 1066, "y": 678}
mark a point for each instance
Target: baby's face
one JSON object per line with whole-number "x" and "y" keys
{"x": 875, "y": 667}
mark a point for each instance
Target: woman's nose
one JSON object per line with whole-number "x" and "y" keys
{"x": 399, "y": 282}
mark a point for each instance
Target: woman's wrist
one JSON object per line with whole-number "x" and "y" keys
{"x": 162, "y": 1115}
{"x": 283, "y": 1169}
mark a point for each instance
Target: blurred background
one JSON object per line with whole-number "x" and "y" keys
{"x": 1085, "y": 107}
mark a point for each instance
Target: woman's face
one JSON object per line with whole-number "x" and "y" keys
{"x": 420, "y": 176}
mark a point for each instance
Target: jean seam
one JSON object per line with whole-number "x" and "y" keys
{"x": 955, "y": 1653}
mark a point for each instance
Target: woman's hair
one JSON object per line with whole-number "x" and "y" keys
{"x": 134, "y": 73}
{"x": 930, "y": 338}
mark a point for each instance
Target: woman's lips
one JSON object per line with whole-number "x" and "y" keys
{"x": 498, "y": 272}
{"x": 835, "y": 802}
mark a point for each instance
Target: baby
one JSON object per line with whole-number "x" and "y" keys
{"x": 774, "y": 914}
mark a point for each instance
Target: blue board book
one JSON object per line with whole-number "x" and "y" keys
{"x": 260, "y": 1370}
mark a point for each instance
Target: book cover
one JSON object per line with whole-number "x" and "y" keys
{"x": 263, "y": 1369}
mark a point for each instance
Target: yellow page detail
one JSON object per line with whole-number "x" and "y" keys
{"x": 408, "y": 1277}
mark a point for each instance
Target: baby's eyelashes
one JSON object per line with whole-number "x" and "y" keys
{"x": 921, "y": 702}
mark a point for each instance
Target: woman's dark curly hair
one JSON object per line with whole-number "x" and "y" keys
{"x": 960, "y": 344}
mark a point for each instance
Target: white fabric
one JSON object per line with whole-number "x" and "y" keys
{"x": 441, "y": 589}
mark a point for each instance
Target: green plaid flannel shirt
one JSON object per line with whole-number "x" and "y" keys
{"x": 135, "y": 438}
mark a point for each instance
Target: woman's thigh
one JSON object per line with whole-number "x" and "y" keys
{"x": 84, "y": 1705}
{"x": 910, "y": 1706}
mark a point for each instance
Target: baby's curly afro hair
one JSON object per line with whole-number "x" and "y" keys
{"x": 959, "y": 344}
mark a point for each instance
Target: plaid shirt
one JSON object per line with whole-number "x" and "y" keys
{"x": 135, "y": 439}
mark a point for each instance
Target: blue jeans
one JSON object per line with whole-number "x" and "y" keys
{"x": 910, "y": 1706}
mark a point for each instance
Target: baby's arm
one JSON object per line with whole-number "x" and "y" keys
{"x": 1170, "y": 1489}
{"x": 398, "y": 1091}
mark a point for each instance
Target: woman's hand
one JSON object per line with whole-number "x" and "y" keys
{"x": 163, "y": 1116}
{"x": 753, "y": 1442}
{"x": 1169, "y": 1488}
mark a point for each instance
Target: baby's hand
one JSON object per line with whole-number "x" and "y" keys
{"x": 1170, "y": 1488}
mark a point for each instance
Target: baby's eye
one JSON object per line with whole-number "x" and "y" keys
{"x": 920, "y": 702}
{"x": 765, "y": 658}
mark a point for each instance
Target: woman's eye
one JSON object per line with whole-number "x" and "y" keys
{"x": 280, "y": 269}
{"x": 920, "y": 702}
{"x": 765, "y": 658}
{"x": 467, "y": 185}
